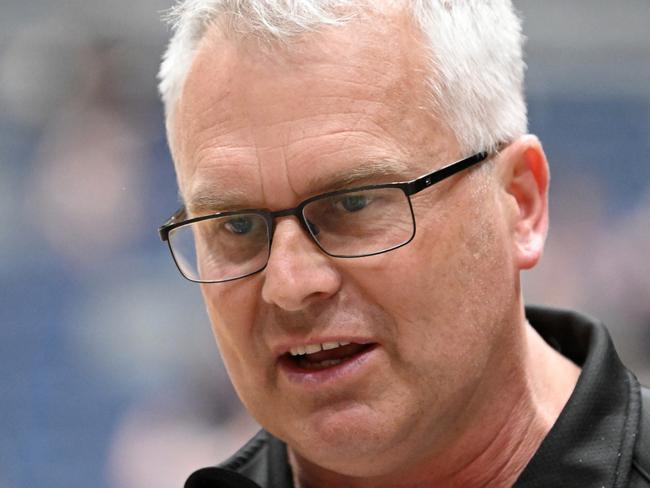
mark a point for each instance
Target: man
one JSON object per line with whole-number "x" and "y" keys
{"x": 311, "y": 139}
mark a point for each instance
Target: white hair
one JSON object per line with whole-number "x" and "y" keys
{"x": 474, "y": 49}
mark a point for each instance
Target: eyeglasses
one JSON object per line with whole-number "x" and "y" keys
{"x": 348, "y": 223}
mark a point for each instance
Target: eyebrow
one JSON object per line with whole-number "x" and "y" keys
{"x": 370, "y": 170}
{"x": 206, "y": 200}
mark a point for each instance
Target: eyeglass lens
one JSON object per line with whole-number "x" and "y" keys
{"x": 351, "y": 224}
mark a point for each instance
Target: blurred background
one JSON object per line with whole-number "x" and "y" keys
{"x": 108, "y": 372}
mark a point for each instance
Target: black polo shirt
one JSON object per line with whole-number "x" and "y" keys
{"x": 590, "y": 445}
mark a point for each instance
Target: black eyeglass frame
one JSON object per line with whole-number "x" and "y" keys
{"x": 408, "y": 187}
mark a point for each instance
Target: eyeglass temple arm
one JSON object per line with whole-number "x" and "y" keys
{"x": 412, "y": 187}
{"x": 426, "y": 181}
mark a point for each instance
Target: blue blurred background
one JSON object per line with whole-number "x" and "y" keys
{"x": 108, "y": 372}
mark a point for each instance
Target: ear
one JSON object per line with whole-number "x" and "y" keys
{"x": 524, "y": 174}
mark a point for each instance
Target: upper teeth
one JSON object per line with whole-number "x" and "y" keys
{"x": 312, "y": 348}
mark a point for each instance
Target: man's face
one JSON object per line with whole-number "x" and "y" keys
{"x": 269, "y": 130}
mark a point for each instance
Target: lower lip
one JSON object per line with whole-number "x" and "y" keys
{"x": 320, "y": 377}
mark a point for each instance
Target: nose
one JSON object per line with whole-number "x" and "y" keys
{"x": 298, "y": 272}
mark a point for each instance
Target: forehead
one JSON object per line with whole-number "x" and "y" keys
{"x": 254, "y": 124}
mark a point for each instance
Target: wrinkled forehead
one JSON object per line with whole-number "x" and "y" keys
{"x": 358, "y": 88}
{"x": 387, "y": 48}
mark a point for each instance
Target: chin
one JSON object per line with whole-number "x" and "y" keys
{"x": 353, "y": 440}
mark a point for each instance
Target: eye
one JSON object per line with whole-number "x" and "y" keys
{"x": 239, "y": 225}
{"x": 354, "y": 203}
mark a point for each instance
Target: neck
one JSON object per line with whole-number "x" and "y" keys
{"x": 496, "y": 442}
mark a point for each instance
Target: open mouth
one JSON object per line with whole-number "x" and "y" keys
{"x": 318, "y": 357}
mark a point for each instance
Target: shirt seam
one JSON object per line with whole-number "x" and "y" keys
{"x": 245, "y": 455}
{"x": 639, "y": 469}
{"x": 618, "y": 474}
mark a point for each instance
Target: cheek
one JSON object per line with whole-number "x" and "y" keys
{"x": 231, "y": 309}
{"x": 462, "y": 248}
{"x": 448, "y": 289}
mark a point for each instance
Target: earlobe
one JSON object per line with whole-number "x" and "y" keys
{"x": 526, "y": 178}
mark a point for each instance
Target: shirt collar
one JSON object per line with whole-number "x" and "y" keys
{"x": 591, "y": 443}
